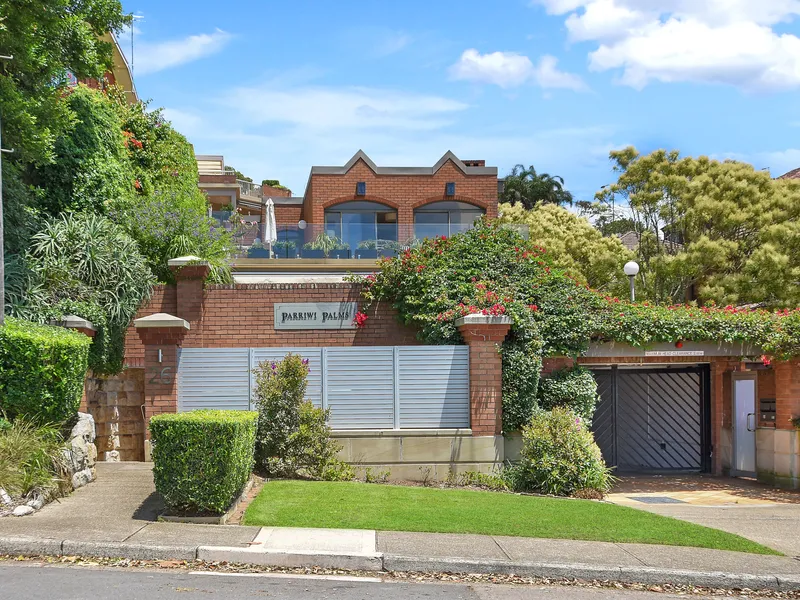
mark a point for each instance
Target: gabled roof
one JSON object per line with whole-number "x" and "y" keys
{"x": 793, "y": 174}
{"x": 361, "y": 155}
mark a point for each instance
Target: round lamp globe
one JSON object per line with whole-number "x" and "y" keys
{"x": 631, "y": 268}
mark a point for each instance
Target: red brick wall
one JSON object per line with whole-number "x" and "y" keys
{"x": 404, "y": 192}
{"x": 286, "y": 215}
{"x": 485, "y": 376}
{"x": 164, "y": 299}
{"x": 241, "y": 316}
{"x": 273, "y": 192}
{"x": 766, "y": 389}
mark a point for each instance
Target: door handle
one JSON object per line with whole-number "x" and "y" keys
{"x": 753, "y": 428}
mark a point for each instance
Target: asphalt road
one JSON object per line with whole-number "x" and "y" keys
{"x": 28, "y": 581}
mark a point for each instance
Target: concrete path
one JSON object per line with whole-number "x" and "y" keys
{"x": 115, "y": 517}
{"x": 756, "y": 511}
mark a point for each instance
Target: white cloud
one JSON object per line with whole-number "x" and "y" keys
{"x": 280, "y": 130}
{"x": 392, "y": 43}
{"x": 151, "y": 57}
{"x": 510, "y": 69}
{"x": 326, "y": 108}
{"x": 506, "y": 69}
{"x": 712, "y": 41}
{"x": 547, "y": 75}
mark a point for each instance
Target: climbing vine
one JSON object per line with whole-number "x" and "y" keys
{"x": 494, "y": 271}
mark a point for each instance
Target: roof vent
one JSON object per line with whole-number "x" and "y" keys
{"x": 450, "y": 189}
{"x": 361, "y": 188}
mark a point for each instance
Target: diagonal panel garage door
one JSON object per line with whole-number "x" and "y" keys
{"x": 653, "y": 419}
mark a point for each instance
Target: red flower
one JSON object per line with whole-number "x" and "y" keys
{"x": 360, "y": 319}
{"x": 533, "y": 307}
{"x": 766, "y": 360}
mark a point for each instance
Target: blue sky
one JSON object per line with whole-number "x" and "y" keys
{"x": 277, "y": 87}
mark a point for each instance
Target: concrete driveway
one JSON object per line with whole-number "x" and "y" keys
{"x": 756, "y": 511}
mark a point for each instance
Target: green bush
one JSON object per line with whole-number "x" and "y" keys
{"x": 559, "y": 456}
{"x": 294, "y": 438}
{"x": 573, "y": 388}
{"x": 32, "y": 458}
{"x": 42, "y": 370}
{"x": 202, "y": 459}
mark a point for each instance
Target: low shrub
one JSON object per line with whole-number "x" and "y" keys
{"x": 42, "y": 370}
{"x": 573, "y": 388}
{"x": 559, "y": 456}
{"x": 487, "y": 481}
{"x": 202, "y": 459}
{"x": 32, "y": 459}
{"x": 294, "y": 438}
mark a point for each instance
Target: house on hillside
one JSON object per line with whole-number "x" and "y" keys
{"x": 355, "y": 211}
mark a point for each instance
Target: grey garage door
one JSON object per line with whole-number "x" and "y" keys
{"x": 653, "y": 419}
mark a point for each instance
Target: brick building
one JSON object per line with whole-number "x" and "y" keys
{"x": 358, "y": 210}
{"x": 419, "y": 411}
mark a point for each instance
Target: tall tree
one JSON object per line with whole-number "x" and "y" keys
{"x": 573, "y": 244}
{"x": 529, "y": 188}
{"x": 51, "y": 41}
{"x": 711, "y": 230}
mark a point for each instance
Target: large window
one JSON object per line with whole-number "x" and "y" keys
{"x": 444, "y": 218}
{"x": 365, "y": 227}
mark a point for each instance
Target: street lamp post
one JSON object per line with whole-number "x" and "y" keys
{"x": 631, "y": 269}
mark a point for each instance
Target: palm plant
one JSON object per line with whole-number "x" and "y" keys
{"x": 529, "y": 188}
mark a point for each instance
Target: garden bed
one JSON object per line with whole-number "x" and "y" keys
{"x": 350, "y": 505}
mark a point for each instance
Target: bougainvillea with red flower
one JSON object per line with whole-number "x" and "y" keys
{"x": 492, "y": 270}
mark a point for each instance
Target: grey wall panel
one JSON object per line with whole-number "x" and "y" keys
{"x": 213, "y": 378}
{"x": 359, "y": 387}
{"x": 314, "y": 356}
{"x": 433, "y": 387}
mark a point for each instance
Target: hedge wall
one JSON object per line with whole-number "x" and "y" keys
{"x": 202, "y": 459}
{"x": 42, "y": 370}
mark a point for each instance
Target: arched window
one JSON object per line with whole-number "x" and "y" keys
{"x": 366, "y": 227}
{"x": 445, "y": 218}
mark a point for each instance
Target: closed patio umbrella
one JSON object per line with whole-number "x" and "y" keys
{"x": 270, "y": 228}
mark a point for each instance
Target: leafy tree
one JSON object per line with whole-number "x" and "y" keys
{"x": 240, "y": 175}
{"x": 573, "y": 244}
{"x": 49, "y": 40}
{"x": 711, "y": 230}
{"x": 91, "y": 170}
{"x": 87, "y": 265}
{"x": 273, "y": 183}
{"x": 529, "y": 188}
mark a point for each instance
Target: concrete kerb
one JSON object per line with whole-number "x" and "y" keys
{"x": 375, "y": 562}
{"x": 646, "y": 575}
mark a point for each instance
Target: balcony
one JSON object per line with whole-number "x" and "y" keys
{"x": 216, "y": 174}
{"x": 333, "y": 242}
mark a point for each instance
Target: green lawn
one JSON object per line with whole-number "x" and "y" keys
{"x": 399, "y": 508}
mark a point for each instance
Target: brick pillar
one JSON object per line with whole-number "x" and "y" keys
{"x": 483, "y": 335}
{"x": 787, "y": 393}
{"x": 190, "y": 274}
{"x": 162, "y": 335}
{"x": 717, "y": 411}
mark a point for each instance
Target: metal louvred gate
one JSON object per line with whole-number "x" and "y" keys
{"x": 654, "y": 419}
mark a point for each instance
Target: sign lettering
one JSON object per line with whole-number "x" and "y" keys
{"x": 315, "y": 315}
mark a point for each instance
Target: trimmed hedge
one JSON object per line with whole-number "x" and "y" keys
{"x": 574, "y": 388}
{"x": 42, "y": 370}
{"x": 202, "y": 459}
